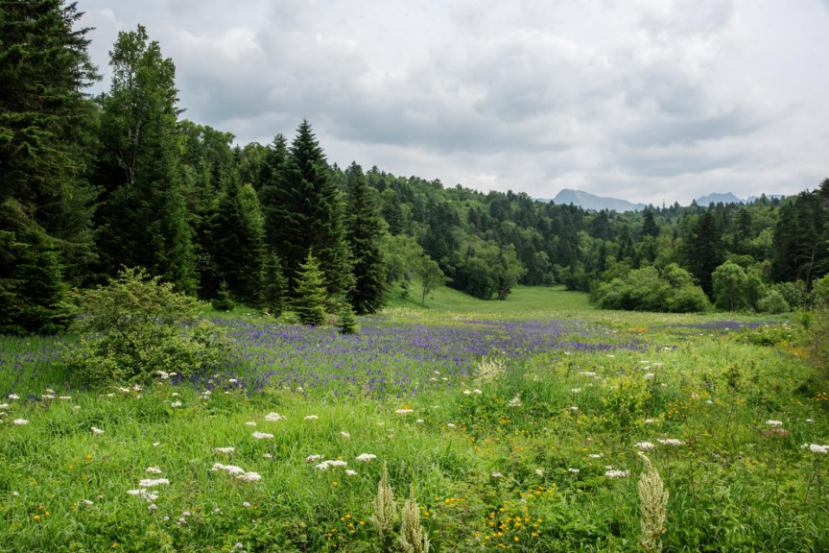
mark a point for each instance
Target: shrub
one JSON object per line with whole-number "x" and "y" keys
{"x": 773, "y": 302}
{"x": 223, "y": 301}
{"x": 136, "y": 326}
{"x": 648, "y": 290}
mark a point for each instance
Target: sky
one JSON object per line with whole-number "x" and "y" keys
{"x": 644, "y": 100}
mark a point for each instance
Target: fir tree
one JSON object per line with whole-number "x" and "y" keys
{"x": 363, "y": 232}
{"x": 236, "y": 240}
{"x": 649, "y": 226}
{"x": 348, "y": 321}
{"x": 703, "y": 250}
{"x": 274, "y": 286}
{"x": 305, "y": 213}
{"x": 223, "y": 301}
{"x": 144, "y": 216}
{"x": 310, "y": 294}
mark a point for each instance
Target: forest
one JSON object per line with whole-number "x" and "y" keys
{"x": 90, "y": 184}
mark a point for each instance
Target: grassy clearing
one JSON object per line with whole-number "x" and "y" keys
{"x": 512, "y": 455}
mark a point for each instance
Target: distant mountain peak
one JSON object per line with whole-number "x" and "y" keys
{"x": 586, "y": 200}
{"x": 719, "y": 198}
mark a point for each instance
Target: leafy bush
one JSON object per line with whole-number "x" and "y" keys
{"x": 223, "y": 301}
{"x": 136, "y": 326}
{"x": 773, "y": 302}
{"x": 648, "y": 290}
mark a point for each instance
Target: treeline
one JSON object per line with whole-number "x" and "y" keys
{"x": 89, "y": 185}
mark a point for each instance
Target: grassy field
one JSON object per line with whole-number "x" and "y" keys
{"x": 517, "y": 423}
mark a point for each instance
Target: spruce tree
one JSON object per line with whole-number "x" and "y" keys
{"x": 304, "y": 213}
{"x": 348, "y": 321}
{"x": 310, "y": 295}
{"x": 703, "y": 250}
{"x": 235, "y": 240}
{"x": 143, "y": 218}
{"x": 363, "y": 231}
{"x": 45, "y": 126}
{"x": 274, "y": 286}
{"x": 649, "y": 226}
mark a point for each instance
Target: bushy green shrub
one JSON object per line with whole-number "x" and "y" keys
{"x": 135, "y": 327}
{"x": 223, "y": 301}
{"x": 794, "y": 293}
{"x": 773, "y": 302}
{"x": 647, "y": 289}
{"x": 348, "y": 320}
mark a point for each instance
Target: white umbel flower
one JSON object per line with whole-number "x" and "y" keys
{"x": 366, "y": 457}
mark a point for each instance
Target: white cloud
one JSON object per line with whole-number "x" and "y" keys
{"x": 641, "y": 99}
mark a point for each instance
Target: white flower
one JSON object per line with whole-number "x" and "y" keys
{"x": 250, "y": 423}
{"x": 124, "y": 390}
{"x": 156, "y": 444}
{"x": 420, "y": 421}
{"x": 671, "y": 441}
{"x": 311, "y": 418}
{"x": 147, "y": 495}
{"x": 262, "y": 436}
{"x": 249, "y": 477}
{"x": 345, "y": 435}
{"x": 231, "y": 469}
{"x": 48, "y": 396}
{"x": 497, "y": 475}
{"x": 337, "y": 463}
{"x": 312, "y": 458}
{"x": 14, "y": 396}
{"x": 595, "y": 456}
{"x": 232, "y": 380}
{"x": 450, "y": 425}
{"x": 651, "y": 421}
{"x": 574, "y": 409}
{"x": 111, "y": 395}
{"x": 617, "y": 473}
{"x": 322, "y": 466}
{"x": 65, "y": 398}
{"x": 404, "y": 411}
{"x": 587, "y": 373}
{"x": 225, "y": 450}
{"x": 774, "y": 423}
{"x": 175, "y": 404}
{"x": 176, "y": 394}
{"x": 574, "y": 471}
{"x": 152, "y": 483}
{"x": 576, "y": 390}
{"x": 467, "y": 392}
{"x": 644, "y": 446}
{"x": 539, "y": 472}
{"x": 267, "y": 456}
{"x": 515, "y": 402}
{"x": 350, "y": 472}
{"x": 274, "y": 417}
{"x": 649, "y": 375}
{"x": 87, "y": 502}
{"x": 153, "y": 470}
{"x": 477, "y": 391}
{"x": 49, "y": 391}
{"x": 366, "y": 457}
{"x": 810, "y": 421}
{"x": 815, "y": 448}
{"x": 5, "y": 406}
{"x": 20, "y": 422}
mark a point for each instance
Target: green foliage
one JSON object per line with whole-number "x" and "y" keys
{"x": 274, "y": 286}
{"x": 348, "y": 320}
{"x": 223, "y": 300}
{"x": 648, "y": 290}
{"x": 431, "y": 277}
{"x": 703, "y": 250}
{"x": 144, "y": 220}
{"x": 730, "y": 282}
{"x": 364, "y": 230}
{"x": 310, "y": 296}
{"x": 773, "y": 302}
{"x": 135, "y": 327}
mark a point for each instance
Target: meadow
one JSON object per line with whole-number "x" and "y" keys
{"x": 517, "y": 424}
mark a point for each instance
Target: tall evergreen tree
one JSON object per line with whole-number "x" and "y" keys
{"x": 274, "y": 286}
{"x": 235, "y": 241}
{"x": 703, "y": 250}
{"x": 45, "y": 133}
{"x": 305, "y": 213}
{"x": 144, "y": 217}
{"x": 363, "y": 231}
{"x": 649, "y": 226}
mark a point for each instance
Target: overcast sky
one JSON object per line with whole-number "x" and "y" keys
{"x": 637, "y": 99}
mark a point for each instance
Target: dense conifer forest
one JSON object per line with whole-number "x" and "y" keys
{"x": 91, "y": 184}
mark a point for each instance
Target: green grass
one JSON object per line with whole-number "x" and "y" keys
{"x": 522, "y": 301}
{"x": 736, "y": 484}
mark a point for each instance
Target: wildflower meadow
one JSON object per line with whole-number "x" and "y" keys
{"x": 528, "y": 428}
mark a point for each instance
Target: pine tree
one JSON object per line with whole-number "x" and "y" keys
{"x": 310, "y": 295}
{"x": 649, "y": 226}
{"x": 223, "y": 301}
{"x": 45, "y": 127}
{"x": 348, "y": 321}
{"x": 235, "y": 240}
{"x": 274, "y": 286}
{"x": 144, "y": 218}
{"x": 304, "y": 213}
{"x": 703, "y": 250}
{"x": 270, "y": 179}
{"x": 363, "y": 231}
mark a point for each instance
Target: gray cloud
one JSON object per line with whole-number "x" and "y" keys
{"x": 635, "y": 98}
